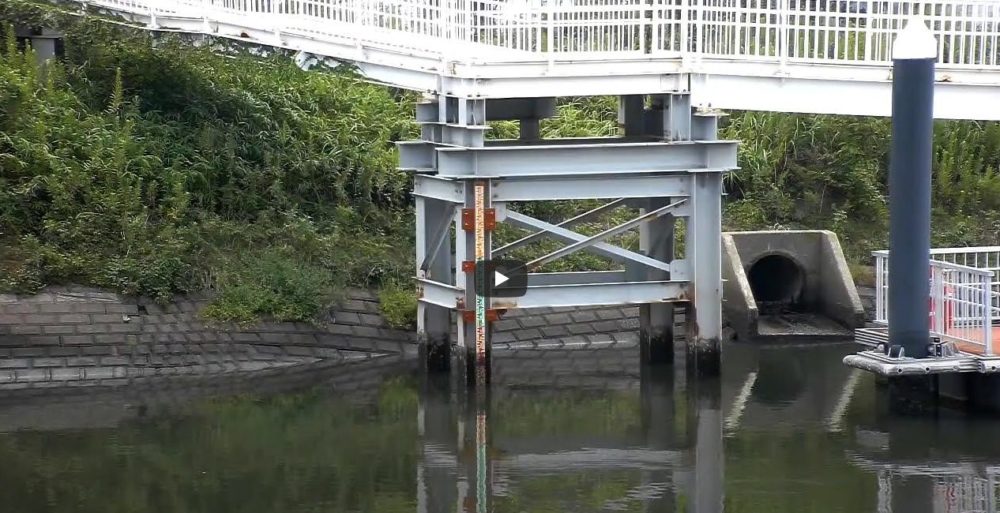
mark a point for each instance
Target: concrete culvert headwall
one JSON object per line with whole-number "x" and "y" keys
{"x": 788, "y": 285}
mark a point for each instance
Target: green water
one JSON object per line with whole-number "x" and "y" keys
{"x": 787, "y": 430}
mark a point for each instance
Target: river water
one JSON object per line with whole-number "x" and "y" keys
{"x": 784, "y": 430}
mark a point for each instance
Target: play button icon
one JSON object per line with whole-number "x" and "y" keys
{"x": 506, "y": 278}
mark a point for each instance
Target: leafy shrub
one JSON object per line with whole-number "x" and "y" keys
{"x": 398, "y": 306}
{"x": 272, "y": 285}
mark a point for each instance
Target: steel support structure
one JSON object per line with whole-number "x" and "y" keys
{"x": 668, "y": 164}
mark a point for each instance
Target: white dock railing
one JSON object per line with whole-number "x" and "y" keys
{"x": 964, "y": 296}
{"x": 855, "y": 32}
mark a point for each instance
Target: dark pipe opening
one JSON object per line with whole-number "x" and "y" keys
{"x": 776, "y": 282}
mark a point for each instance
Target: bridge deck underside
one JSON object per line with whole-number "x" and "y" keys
{"x": 831, "y": 58}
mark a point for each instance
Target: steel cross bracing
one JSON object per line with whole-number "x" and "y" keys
{"x": 668, "y": 164}
{"x": 775, "y": 55}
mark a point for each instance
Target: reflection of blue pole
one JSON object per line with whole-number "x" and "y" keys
{"x": 914, "y": 53}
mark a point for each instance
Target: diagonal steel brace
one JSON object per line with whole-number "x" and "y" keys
{"x": 441, "y": 232}
{"x": 565, "y": 224}
{"x": 610, "y": 232}
{"x": 606, "y": 250}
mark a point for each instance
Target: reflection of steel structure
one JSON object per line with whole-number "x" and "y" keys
{"x": 453, "y": 472}
{"x": 948, "y": 487}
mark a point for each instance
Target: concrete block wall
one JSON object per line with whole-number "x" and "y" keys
{"x": 75, "y": 336}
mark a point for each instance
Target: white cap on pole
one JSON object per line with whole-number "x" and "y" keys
{"x": 915, "y": 41}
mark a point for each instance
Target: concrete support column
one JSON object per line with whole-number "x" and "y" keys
{"x": 434, "y": 261}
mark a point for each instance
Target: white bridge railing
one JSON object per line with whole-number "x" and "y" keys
{"x": 964, "y": 295}
{"x": 857, "y": 32}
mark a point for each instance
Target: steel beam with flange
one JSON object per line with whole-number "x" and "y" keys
{"x": 430, "y": 186}
{"x": 603, "y": 249}
{"x": 610, "y": 232}
{"x": 596, "y": 294}
{"x": 458, "y": 135}
{"x": 574, "y": 159}
{"x": 596, "y": 186}
{"x": 441, "y": 294}
{"x": 579, "y": 218}
{"x": 575, "y": 277}
{"x": 416, "y": 156}
{"x": 563, "y": 141}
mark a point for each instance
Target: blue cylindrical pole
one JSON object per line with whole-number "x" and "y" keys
{"x": 914, "y": 53}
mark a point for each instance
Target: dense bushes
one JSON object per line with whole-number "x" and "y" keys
{"x": 155, "y": 167}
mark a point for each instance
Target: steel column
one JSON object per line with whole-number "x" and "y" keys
{"x": 434, "y": 263}
{"x": 669, "y": 117}
{"x": 914, "y": 52}
{"x": 703, "y": 245}
{"x": 659, "y": 167}
{"x": 656, "y": 321}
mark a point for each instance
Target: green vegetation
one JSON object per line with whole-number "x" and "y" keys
{"x": 150, "y": 166}
{"x": 398, "y": 306}
{"x": 154, "y": 167}
{"x": 830, "y": 172}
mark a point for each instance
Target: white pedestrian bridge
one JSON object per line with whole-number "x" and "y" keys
{"x": 810, "y": 56}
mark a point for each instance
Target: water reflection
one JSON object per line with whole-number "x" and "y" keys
{"x": 784, "y": 430}
{"x": 948, "y": 465}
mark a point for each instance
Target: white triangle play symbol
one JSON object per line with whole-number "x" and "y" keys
{"x": 498, "y": 278}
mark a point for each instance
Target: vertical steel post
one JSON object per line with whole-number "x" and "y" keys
{"x": 914, "y": 53}
{"x": 656, "y": 320}
{"x": 703, "y": 245}
{"x": 703, "y": 252}
{"x": 630, "y": 114}
{"x": 434, "y": 322}
{"x": 530, "y": 129}
{"x": 656, "y": 238}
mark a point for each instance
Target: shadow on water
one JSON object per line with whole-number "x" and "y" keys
{"x": 785, "y": 429}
